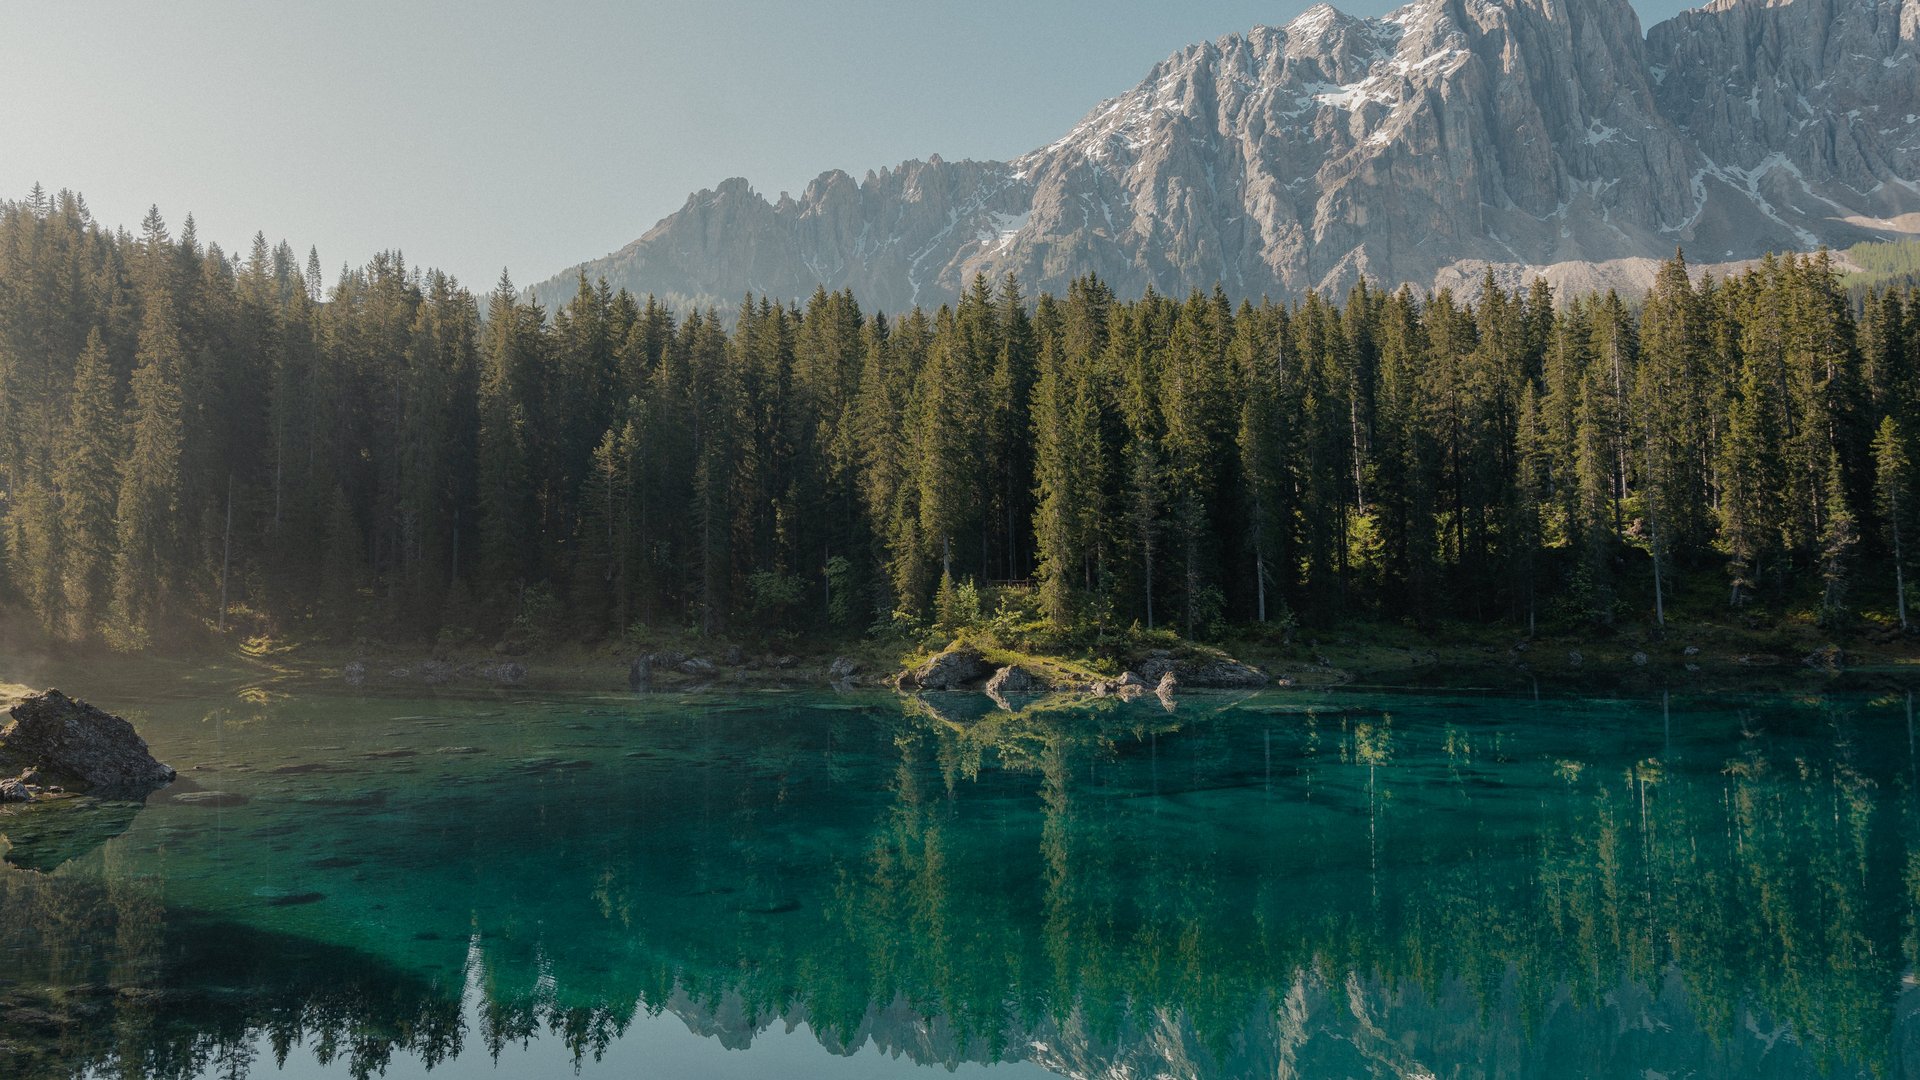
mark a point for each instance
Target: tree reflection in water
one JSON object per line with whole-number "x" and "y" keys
{"x": 1352, "y": 887}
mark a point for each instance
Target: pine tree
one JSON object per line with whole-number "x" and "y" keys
{"x": 1838, "y": 536}
{"x": 315, "y": 283}
{"x": 1893, "y": 498}
{"x": 147, "y": 556}
{"x": 506, "y": 486}
{"x": 87, "y": 480}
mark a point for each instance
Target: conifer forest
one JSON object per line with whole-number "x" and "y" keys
{"x": 195, "y": 441}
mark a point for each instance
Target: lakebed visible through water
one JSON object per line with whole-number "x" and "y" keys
{"x": 1324, "y": 884}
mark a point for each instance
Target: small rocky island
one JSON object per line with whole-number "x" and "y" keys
{"x": 1159, "y": 671}
{"x": 56, "y": 745}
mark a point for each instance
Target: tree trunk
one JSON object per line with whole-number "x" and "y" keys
{"x": 1659, "y": 598}
{"x": 226, "y": 555}
{"x": 1899, "y": 571}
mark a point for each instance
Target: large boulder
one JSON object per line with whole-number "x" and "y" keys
{"x": 1221, "y": 673}
{"x": 1200, "y": 672}
{"x": 1014, "y": 679}
{"x": 79, "y": 747}
{"x": 951, "y": 670}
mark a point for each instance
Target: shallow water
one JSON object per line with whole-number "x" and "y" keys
{"x": 798, "y": 885}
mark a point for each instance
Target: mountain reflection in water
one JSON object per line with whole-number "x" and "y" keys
{"x": 1290, "y": 885}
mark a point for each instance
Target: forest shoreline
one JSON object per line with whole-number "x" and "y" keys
{"x": 1695, "y": 658}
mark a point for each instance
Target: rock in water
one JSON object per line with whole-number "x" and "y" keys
{"x": 640, "y": 673}
{"x": 80, "y": 747}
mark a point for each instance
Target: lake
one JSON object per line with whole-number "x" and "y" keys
{"x": 1340, "y": 884}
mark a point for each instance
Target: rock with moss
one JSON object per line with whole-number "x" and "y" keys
{"x": 1014, "y": 679}
{"x": 1205, "y": 671}
{"x": 954, "y": 669}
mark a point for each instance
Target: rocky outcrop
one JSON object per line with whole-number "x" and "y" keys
{"x": 1014, "y": 679}
{"x": 68, "y": 744}
{"x": 954, "y": 669}
{"x": 1429, "y": 146}
{"x": 1204, "y": 672}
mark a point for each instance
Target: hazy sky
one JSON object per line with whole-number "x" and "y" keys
{"x": 485, "y": 134}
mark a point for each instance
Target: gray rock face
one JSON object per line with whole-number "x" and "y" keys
{"x": 1427, "y": 146}
{"x": 1805, "y": 116}
{"x": 80, "y": 747}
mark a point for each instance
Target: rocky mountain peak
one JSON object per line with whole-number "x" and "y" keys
{"x": 1447, "y": 136}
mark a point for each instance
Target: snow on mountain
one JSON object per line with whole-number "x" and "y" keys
{"x": 1449, "y": 134}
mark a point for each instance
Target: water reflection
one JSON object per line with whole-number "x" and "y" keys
{"x": 1341, "y": 886}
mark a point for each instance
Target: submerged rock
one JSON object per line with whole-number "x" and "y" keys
{"x": 82, "y": 748}
{"x": 55, "y": 831}
{"x": 217, "y": 799}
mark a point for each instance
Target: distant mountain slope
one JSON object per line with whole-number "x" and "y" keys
{"x": 1420, "y": 147}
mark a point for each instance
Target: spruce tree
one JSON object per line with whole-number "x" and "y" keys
{"x": 1893, "y": 498}
{"x": 147, "y": 555}
{"x": 87, "y": 479}
{"x": 1839, "y": 533}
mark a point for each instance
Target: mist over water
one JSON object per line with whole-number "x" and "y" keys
{"x": 1340, "y": 884}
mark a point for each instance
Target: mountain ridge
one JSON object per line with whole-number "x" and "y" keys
{"x": 1526, "y": 136}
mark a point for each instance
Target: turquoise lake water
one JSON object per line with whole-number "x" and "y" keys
{"x": 1291, "y": 884}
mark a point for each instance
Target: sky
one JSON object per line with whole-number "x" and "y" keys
{"x": 480, "y": 135}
